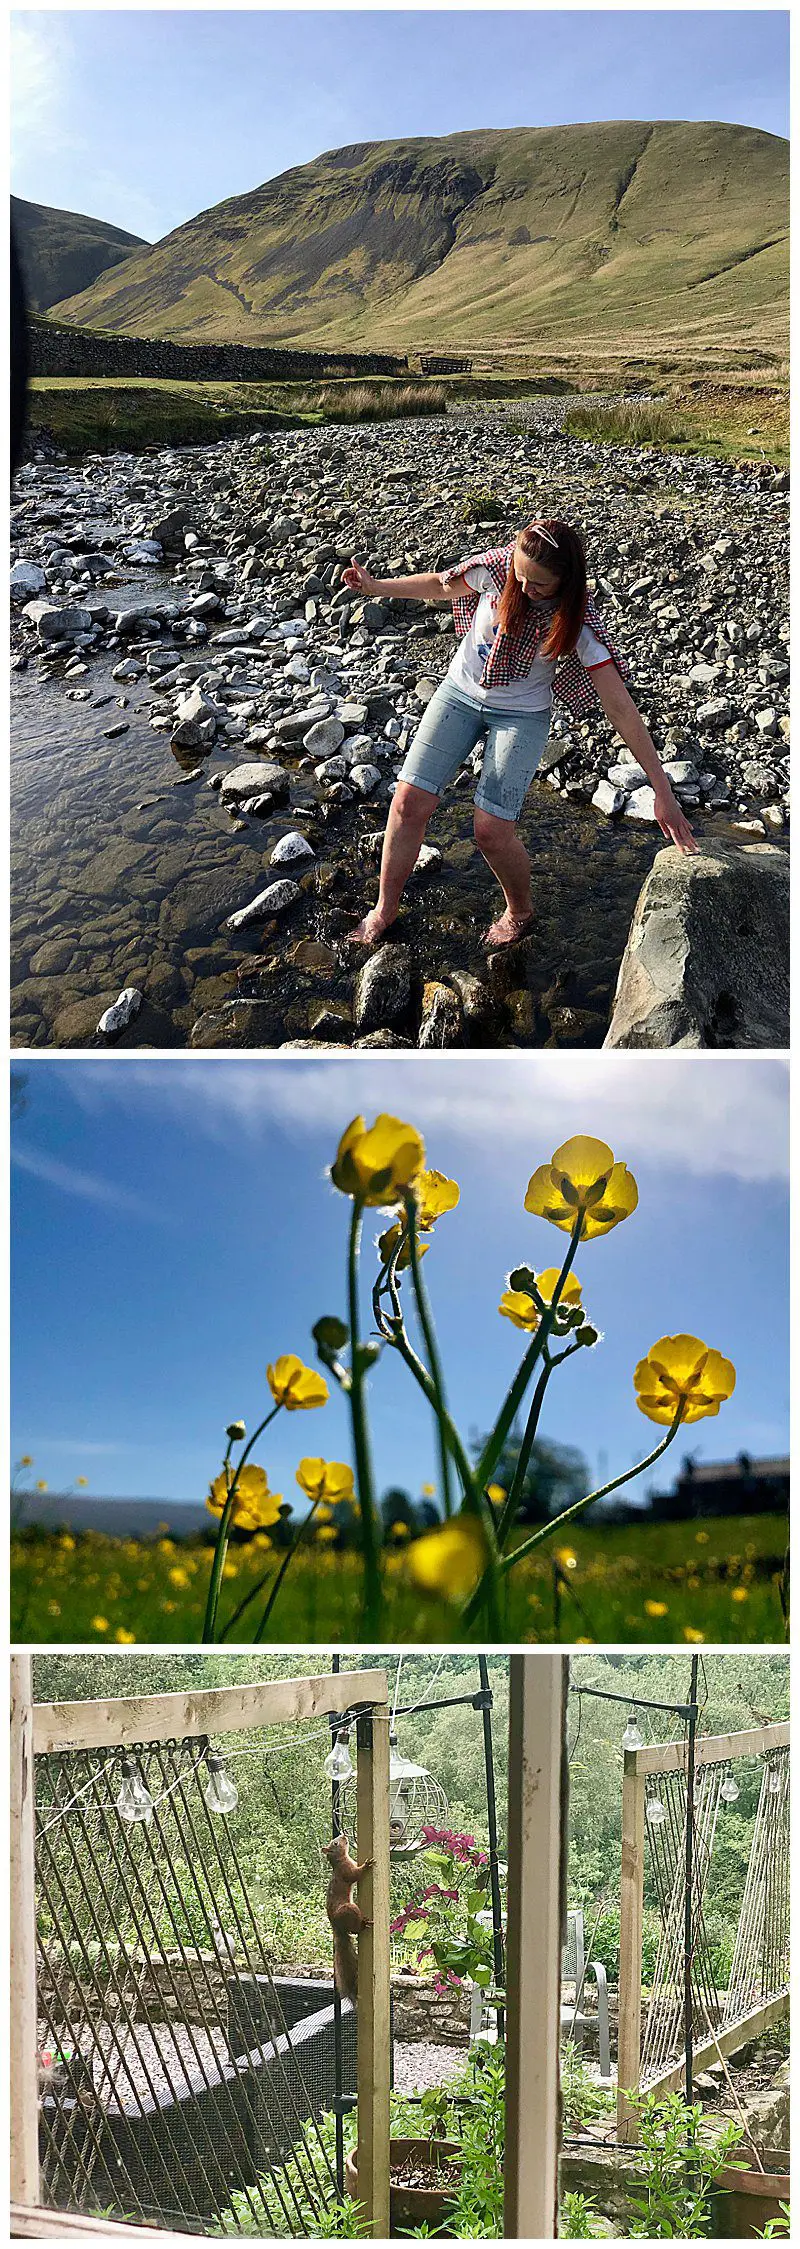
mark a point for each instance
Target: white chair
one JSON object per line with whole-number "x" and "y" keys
{"x": 574, "y": 2017}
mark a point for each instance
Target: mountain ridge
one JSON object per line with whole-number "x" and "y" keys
{"x": 63, "y": 251}
{"x": 526, "y": 235}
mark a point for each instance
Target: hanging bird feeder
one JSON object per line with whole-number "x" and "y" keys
{"x": 416, "y": 1801}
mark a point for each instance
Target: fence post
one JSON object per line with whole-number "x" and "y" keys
{"x": 22, "y": 1910}
{"x": 631, "y": 1902}
{"x": 536, "y": 1844}
{"x": 374, "y": 2040}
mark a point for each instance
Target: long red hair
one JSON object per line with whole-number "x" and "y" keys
{"x": 567, "y": 562}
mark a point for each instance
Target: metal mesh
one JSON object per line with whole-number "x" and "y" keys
{"x": 183, "y": 2071}
{"x": 759, "y": 1970}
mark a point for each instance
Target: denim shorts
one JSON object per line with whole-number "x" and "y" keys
{"x": 449, "y": 730}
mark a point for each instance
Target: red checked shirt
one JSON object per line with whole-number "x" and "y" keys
{"x": 511, "y": 656}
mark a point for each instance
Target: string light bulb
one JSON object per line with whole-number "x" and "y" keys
{"x": 730, "y": 1789}
{"x": 774, "y": 1782}
{"x": 220, "y": 1792}
{"x": 632, "y": 1738}
{"x": 338, "y": 1763}
{"x": 655, "y": 1813}
{"x": 134, "y": 1801}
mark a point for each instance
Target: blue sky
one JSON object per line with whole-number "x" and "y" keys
{"x": 144, "y": 118}
{"x": 174, "y": 1230}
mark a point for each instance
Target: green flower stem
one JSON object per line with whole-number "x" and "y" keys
{"x": 509, "y": 1561}
{"x": 223, "y": 1534}
{"x": 513, "y": 1497}
{"x": 514, "y": 1396}
{"x": 288, "y": 1557}
{"x": 432, "y": 1348}
{"x": 245, "y": 1604}
{"x": 399, "y": 1342}
{"x": 373, "y": 1593}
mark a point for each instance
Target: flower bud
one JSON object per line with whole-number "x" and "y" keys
{"x": 236, "y": 1431}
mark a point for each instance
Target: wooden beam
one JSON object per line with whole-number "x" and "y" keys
{"x": 714, "y": 1749}
{"x": 536, "y": 1900}
{"x": 631, "y": 1905}
{"x": 374, "y": 2033}
{"x": 724, "y": 2042}
{"x": 124, "y": 1720}
{"x": 39, "y": 2224}
{"x": 22, "y": 1920}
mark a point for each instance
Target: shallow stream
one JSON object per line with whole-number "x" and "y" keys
{"x": 124, "y": 867}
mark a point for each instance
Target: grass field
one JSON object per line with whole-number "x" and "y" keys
{"x": 723, "y": 421}
{"x": 737, "y": 420}
{"x": 101, "y": 413}
{"x": 658, "y": 1582}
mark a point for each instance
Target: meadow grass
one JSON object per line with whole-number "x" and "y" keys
{"x": 651, "y": 1583}
{"x": 108, "y": 413}
{"x": 723, "y": 423}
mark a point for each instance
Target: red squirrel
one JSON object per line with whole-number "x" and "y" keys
{"x": 345, "y": 1915}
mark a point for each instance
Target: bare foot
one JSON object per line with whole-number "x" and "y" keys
{"x": 370, "y": 929}
{"x": 507, "y": 930}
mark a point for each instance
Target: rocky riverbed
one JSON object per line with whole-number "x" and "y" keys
{"x": 207, "y": 726}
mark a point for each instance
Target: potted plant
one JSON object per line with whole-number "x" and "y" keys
{"x": 424, "y": 2169}
{"x": 748, "y": 2205}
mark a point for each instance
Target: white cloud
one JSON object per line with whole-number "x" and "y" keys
{"x": 41, "y": 70}
{"x": 71, "y": 1181}
{"x": 707, "y": 1115}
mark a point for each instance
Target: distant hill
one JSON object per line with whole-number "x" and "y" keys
{"x": 548, "y": 237}
{"x": 119, "y": 1518}
{"x": 61, "y": 252}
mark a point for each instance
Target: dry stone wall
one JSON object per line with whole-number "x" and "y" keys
{"x": 59, "y": 350}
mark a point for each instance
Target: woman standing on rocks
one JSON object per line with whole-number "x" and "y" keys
{"x": 530, "y": 630}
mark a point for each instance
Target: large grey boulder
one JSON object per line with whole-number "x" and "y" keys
{"x": 383, "y": 990}
{"x": 248, "y": 780}
{"x": 707, "y": 958}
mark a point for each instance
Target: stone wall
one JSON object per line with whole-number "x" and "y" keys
{"x": 58, "y": 350}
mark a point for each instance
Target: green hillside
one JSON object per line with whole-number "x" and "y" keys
{"x": 648, "y": 236}
{"x": 61, "y": 252}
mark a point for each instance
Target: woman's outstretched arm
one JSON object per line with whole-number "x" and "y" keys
{"x": 427, "y": 586}
{"x": 619, "y": 706}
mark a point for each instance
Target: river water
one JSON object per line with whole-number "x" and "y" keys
{"x": 124, "y": 866}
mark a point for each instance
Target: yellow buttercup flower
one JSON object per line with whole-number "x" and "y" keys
{"x": 450, "y": 1561}
{"x": 583, "y": 1180}
{"x": 516, "y": 1305}
{"x": 41, "y": 1486}
{"x": 328, "y": 1480}
{"x": 179, "y": 1577}
{"x": 325, "y": 1533}
{"x": 82, "y": 1482}
{"x": 296, "y": 1386}
{"x": 254, "y": 1504}
{"x": 496, "y": 1493}
{"x": 388, "y": 1242}
{"x": 567, "y": 1557}
{"x": 26, "y": 1460}
{"x": 376, "y": 1164}
{"x": 680, "y": 1370}
{"x": 434, "y": 1194}
{"x": 689, "y": 1633}
{"x": 656, "y": 1608}
{"x": 124, "y": 1638}
{"x": 740, "y": 1593}
{"x": 99, "y": 1624}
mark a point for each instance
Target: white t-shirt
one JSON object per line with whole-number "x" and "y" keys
{"x": 533, "y": 692}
